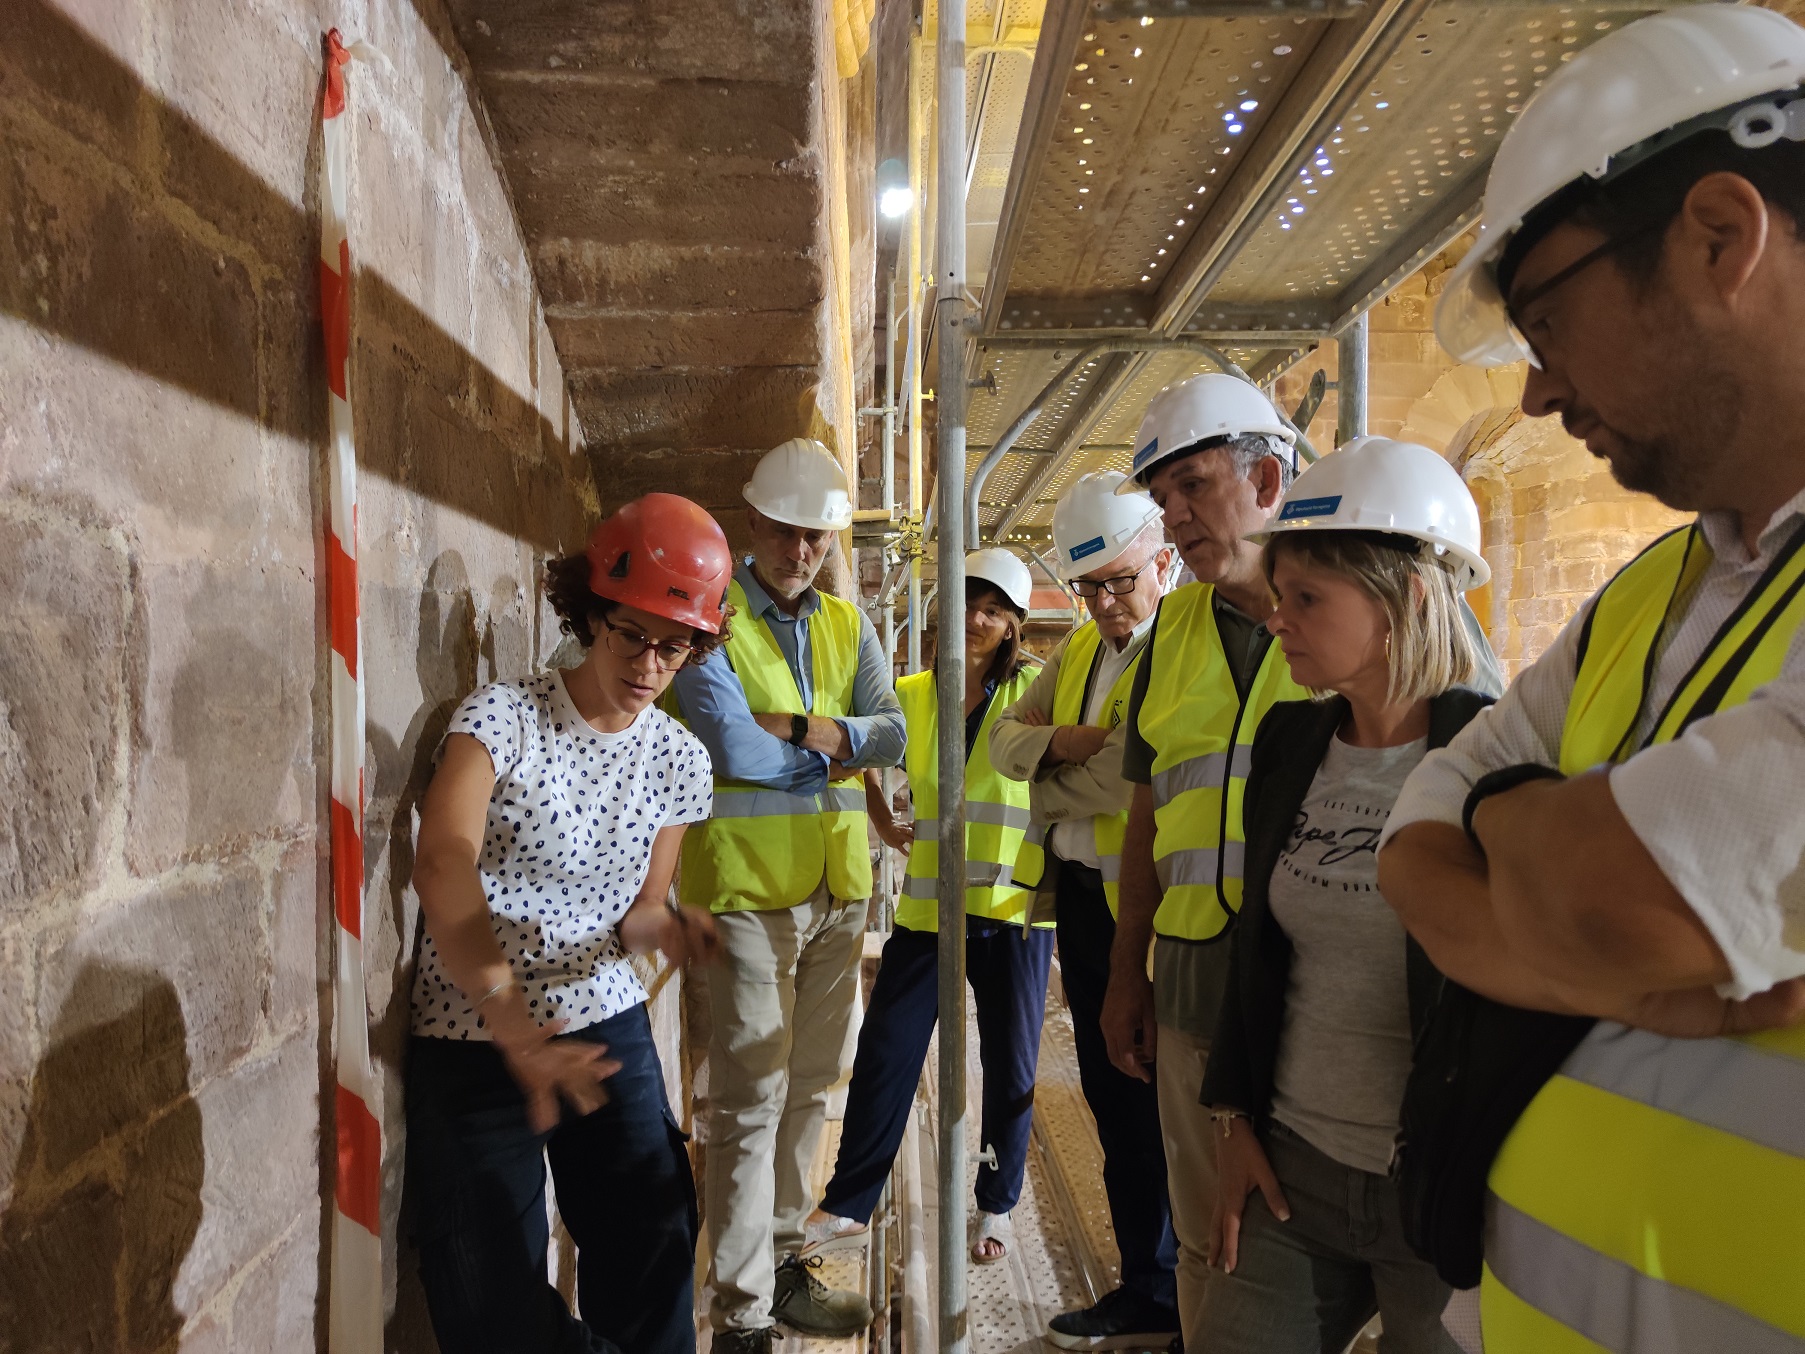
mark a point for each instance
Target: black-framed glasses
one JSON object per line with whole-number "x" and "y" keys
{"x": 1515, "y": 306}
{"x": 1119, "y": 586}
{"x": 669, "y": 654}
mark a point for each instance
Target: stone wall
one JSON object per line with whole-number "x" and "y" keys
{"x": 1555, "y": 524}
{"x": 164, "y": 941}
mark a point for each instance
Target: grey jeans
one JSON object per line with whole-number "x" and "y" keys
{"x": 1307, "y": 1286}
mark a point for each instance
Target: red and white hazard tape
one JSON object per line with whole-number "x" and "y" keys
{"x": 356, "y": 1278}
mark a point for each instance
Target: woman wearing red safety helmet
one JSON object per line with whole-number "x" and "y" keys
{"x": 547, "y": 843}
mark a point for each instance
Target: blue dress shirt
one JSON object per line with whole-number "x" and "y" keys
{"x": 714, "y": 703}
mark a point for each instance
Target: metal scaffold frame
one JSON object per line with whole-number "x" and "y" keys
{"x": 949, "y": 318}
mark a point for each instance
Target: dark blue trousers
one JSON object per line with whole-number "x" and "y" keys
{"x": 1126, "y": 1110}
{"x": 476, "y": 1191}
{"x": 1008, "y": 977}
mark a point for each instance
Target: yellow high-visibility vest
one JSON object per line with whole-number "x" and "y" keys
{"x": 1003, "y": 859}
{"x": 1201, "y": 732}
{"x": 1652, "y": 1196}
{"x": 1082, "y": 654}
{"x": 766, "y": 849}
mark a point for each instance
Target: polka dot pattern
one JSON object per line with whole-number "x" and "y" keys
{"x": 566, "y": 849}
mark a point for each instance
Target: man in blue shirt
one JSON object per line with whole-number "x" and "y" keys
{"x": 803, "y": 700}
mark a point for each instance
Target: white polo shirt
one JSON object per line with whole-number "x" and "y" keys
{"x": 1720, "y": 808}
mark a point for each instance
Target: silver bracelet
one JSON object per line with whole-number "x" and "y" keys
{"x": 505, "y": 985}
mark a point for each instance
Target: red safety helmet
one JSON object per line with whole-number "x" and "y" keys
{"x": 665, "y": 555}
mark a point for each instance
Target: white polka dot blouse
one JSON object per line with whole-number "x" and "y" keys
{"x": 566, "y": 849}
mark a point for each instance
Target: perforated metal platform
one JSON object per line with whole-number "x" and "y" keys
{"x": 1063, "y": 1254}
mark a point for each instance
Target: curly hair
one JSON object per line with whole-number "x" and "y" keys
{"x": 578, "y": 608}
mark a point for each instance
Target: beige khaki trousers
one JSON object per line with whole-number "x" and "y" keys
{"x": 1190, "y": 1167}
{"x": 782, "y": 998}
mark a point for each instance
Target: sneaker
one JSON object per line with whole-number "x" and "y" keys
{"x": 829, "y": 1233}
{"x": 1122, "y": 1319}
{"x": 803, "y": 1303}
{"x": 754, "y": 1341}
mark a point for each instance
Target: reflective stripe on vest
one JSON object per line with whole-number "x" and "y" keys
{"x": 1071, "y": 693}
{"x": 1003, "y": 857}
{"x": 1201, "y": 734}
{"x": 765, "y": 849}
{"x": 1652, "y": 1196}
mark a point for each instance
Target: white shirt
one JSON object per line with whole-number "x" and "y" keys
{"x": 566, "y": 849}
{"x": 1721, "y": 808}
{"x": 1076, "y": 839}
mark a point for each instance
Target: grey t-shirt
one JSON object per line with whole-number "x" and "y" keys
{"x": 1188, "y": 977}
{"x": 1344, "y": 1052}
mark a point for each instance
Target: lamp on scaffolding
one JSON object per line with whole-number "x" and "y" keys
{"x": 894, "y": 196}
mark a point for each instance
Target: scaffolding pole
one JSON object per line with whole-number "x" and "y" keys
{"x": 1350, "y": 382}
{"x": 950, "y": 396}
{"x": 918, "y": 186}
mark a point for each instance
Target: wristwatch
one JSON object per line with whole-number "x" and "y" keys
{"x": 798, "y": 729}
{"x": 1497, "y": 783}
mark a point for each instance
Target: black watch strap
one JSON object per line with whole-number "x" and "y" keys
{"x": 1497, "y": 783}
{"x": 798, "y": 729}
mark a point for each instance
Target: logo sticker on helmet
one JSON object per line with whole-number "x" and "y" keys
{"x": 1142, "y": 456}
{"x": 1310, "y": 507}
{"x": 1090, "y": 547}
{"x": 677, "y": 592}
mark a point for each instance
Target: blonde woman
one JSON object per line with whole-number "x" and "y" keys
{"x": 1313, "y": 1046}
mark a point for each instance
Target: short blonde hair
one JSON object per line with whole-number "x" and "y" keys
{"x": 1429, "y": 650}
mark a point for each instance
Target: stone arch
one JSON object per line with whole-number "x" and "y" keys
{"x": 1555, "y": 524}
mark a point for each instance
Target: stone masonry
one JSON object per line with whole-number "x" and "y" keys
{"x": 678, "y": 168}
{"x": 163, "y": 697}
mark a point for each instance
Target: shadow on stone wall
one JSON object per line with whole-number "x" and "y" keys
{"x": 177, "y": 310}
{"x": 106, "y": 1191}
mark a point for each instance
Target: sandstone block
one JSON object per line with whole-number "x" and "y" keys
{"x": 783, "y": 338}
{"x": 92, "y": 262}
{"x": 654, "y": 274}
{"x": 413, "y": 248}
{"x": 18, "y": 1052}
{"x": 143, "y": 1001}
{"x": 274, "y": 1309}
{"x": 585, "y": 124}
{"x": 681, "y": 38}
{"x": 60, "y": 1256}
{"x": 712, "y": 478}
{"x": 236, "y": 110}
{"x": 261, "y": 1127}
{"x": 75, "y": 65}
{"x": 674, "y": 205}
{"x": 754, "y": 407}
{"x": 62, "y": 631}
{"x": 300, "y": 910}
{"x": 222, "y": 728}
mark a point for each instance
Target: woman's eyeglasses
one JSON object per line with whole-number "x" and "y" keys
{"x": 670, "y": 654}
{"x": 1119, "y": 586}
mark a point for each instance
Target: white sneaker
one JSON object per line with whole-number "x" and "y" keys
{"x": 829, "y": 1233}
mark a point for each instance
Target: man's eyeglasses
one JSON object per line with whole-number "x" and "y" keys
{"x": 1119, "y": 586}
{"x": 1516, "y": 306}
{"x": 670, "y": 654}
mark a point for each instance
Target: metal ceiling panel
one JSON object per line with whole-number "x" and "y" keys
{"x": 1423, "y": 131}
{"x": 1153, "y": 111}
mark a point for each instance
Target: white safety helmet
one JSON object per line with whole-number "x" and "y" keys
{"x": 1627, "y": 97}
{"x": 996, "y": 565}
{"x": 1187, "y": 412}
{"x": 1376, "y": 484}
{"x": 1096, "y": 520}
{"x": 800, "y": 482}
